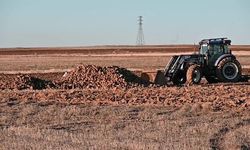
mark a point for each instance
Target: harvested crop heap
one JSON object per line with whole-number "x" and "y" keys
{"x": 83, "y": 76}
{"x": 28, "y": 82}
{"x": 21, "y": 82}
{"x": 91, "y": 76}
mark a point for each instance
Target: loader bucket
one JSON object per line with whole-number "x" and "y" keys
{"x": 160, "y": 78}
{"x": 156, "y": 77}
{"x": 146, "y": 76}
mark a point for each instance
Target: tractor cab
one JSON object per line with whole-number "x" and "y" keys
{"x": 213, "y": 49}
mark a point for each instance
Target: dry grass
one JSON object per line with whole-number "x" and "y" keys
{"x": 32, "y": 125}
{"x": 146, "y": 57}
{"x": 47, "y": 62}
{"x": 65, "y": 62}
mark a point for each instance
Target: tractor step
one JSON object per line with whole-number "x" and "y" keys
{"x": 245, "y": 78}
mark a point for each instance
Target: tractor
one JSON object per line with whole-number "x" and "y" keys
{"x": 214, "y": 61}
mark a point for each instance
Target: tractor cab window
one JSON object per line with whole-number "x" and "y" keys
{"x": 215, "y": 49}
{"x": 226, "y": 49}
{"x": 203, "y": 49}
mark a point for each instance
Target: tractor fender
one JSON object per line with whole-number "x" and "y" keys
{"x": 222, "y": 57}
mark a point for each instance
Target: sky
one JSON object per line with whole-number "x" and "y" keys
{"x": 45, "y": 23}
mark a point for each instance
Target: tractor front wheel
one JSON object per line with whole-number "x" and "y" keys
{"x": 194, "y": 74}
{"x": 179, "y": 79}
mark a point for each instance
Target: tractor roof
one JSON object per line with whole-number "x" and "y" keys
{"x": 216, "y": 41}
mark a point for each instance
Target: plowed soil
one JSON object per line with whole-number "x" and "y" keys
{"x": 92, "y": 84}
{"x": 214, "y": 98}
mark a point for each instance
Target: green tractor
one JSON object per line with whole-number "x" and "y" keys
{"x": 214, "y": 61}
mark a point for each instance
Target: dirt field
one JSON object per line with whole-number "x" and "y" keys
{"x": 94, "y": 107}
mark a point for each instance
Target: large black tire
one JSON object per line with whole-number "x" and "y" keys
{"x": 194, "y": 74}
{"x": 228, "y": 70}
{"x": 179, "y": 79}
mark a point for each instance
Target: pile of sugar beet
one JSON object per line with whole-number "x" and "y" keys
{"x": 80, "y": 77}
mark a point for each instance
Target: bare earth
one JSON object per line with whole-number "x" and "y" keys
{"x": 115, "y": 116}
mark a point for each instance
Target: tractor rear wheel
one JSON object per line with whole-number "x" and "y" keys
{"x": 229, "y": 70}
{"x": 194, "y": 74}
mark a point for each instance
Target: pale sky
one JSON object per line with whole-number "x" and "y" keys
{"x": 35, "y": 23}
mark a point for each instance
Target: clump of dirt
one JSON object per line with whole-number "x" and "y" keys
{"x": 91, "y": 76}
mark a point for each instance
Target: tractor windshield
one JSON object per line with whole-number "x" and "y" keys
{"x": 218, "y": 49}
{"x": 215, "y": 49}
